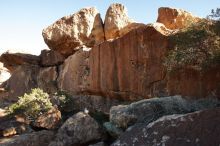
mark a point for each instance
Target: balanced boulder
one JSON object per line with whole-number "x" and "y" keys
{"x": 70, "y": 32}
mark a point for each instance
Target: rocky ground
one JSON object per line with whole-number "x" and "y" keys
{"x": 116, "y": 87}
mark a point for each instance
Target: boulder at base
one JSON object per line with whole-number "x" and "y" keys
{"x": 194, "y": 129}
{"x": 78, "y": 129}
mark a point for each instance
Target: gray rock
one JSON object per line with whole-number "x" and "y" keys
{"x": 99, "y": 144}
{"x": 112, "y": 130}
{"x": 41, "y": 138}
{"x": 193, "y": 129}
{"x": 78, "y": 129}
{"x": 148, "y": 110}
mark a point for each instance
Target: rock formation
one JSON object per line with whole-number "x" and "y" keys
{"x": 117, "y": 23}
{"x": 12, "y": 60}
{"x": 176, "y": 130}
{"x": 124, "y": 68}
{"x": 175, "y": 18}
{"x": 82, "y": 28}
{"x": 78, "y": 129}
{"x": 97, "y": 68}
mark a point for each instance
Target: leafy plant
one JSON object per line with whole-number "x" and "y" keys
{"x": 33, "y": 104}
{"x": 196, "y": 46}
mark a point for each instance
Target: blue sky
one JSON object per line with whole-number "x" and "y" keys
{"x": 22, "y": 21}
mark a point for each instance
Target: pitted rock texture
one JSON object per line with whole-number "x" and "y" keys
{"x": 175, "y": 18}
{"x": 78, "y": 129}
{"x": 82, "y": 28}
{"x": 198, "y": 128}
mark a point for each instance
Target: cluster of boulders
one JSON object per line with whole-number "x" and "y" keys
{"x": 102, "y": 65}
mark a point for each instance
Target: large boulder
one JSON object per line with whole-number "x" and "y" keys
{"x": 13, "y": 60}
{"x": 175, "y": 18}
{"x": 127, "y": 68}
{"x": 117, "y": 23}
{"x": 41, "y": 138}
{"x": 51, "y": 58}
{"x": 78, "y": 129}
{"x": 82, "y": 28}
{"x": 148, "y": 110}
{"x": 198, "y": 128}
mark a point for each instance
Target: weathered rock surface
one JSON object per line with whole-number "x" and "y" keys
{"x": 117, "y": 23}
{"x": 47, "y": 79}
{"x": 148, "y": 110}
{"x": 12, "y": 60}
{"x": 27, "y": 77}
{"x": 195, "y": 83}
{"x": 93, "y": 103}
{"x": 127, "y": 68}
{"x": 82, "y": 28}
{"x": 41, "y": 138}
{"x": 175, "y": 18}
{"x": 48, "y": 120}
{"x": 22, "y": 80}
{"x": 78, "y": 129}
{"x": 198, "y": 128}
{"x": 51, "y": 58}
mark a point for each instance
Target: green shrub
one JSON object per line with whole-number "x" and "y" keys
{"x": 196, "y": 46}
{"x": 33, "y": 104}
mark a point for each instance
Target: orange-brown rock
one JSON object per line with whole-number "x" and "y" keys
{"x": 51, "y": 58}
{"x": 48, "y": 120}
{"x": 194, "y": 83}
{"x": 12, "y": 60}
{"x": 117, "y": 23}
{"x": 132, "y": 67}
{"x": 82, "y": 28}
{"x": 27, "y": 77}
{"x": 175, "y": 18}
{"x": 125, "y": 68}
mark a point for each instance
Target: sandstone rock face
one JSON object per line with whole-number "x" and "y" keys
{"x": 195, "y": 83}
{"x": 199, "y": 128}
{"x": 47, "y": 79}
{"x": 127, "y": 68}
{"x": 12, "y": 60}
{"x": 82, "y": 28}
{"x": 41, "y": 138}
{"x": 27, "y": 77}
{"x": 49, "y": 120}
{"x": 78, "y": 129}
{"x": 175, "y": 18}
{"x": 148, "y": 110}
{"x": 117, "y": 23}
{"x": 22, "y": 80}
{"x": 51, "y": 58}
